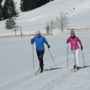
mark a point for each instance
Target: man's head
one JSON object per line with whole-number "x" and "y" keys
{"x": 38, "y": 33}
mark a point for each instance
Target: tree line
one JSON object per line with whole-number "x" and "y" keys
{"x": 32, "y": 4}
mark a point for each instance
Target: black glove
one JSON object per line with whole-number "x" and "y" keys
{"x": 31, "y": 41}
{"x": 81, "y": 47}
{"x": 48, "y": 46}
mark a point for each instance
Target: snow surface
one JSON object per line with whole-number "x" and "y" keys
{"x": 16, "y": 65}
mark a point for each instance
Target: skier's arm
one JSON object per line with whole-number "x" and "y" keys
{"x": 47, "y": 43}
{"x": 32, "y": 41}
{"x": 67, "y": 40}
{"x": 80, "y": 43}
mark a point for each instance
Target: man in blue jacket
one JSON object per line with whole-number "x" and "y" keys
{"x": 40, "y": 49}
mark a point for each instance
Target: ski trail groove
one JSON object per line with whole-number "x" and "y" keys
{"x": 48, "y": 85}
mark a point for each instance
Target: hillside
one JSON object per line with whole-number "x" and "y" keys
{"x": 77, "y": 12}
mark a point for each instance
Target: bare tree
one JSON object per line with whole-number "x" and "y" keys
{"x": 51, "y": 26}
{"x": 62, "y": 21}
{"x": 47, "y": 28}
{"x": 21, "y": 32}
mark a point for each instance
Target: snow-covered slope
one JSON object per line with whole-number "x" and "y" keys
{"x": 78, "y": 12}
{"x": 16, "y": 65}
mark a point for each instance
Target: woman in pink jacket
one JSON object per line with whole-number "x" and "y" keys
{"x": 74, "y": 42}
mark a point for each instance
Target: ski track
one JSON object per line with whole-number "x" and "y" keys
{"x": 14, "y": 83}
{"x": 50, "y": 85}
{"x": 26, "y": 82}
{"x": 20, "y": 81}
{"x": 42, "y": 83}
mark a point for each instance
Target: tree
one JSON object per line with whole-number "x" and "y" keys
{"x": 51, "y": 26}
{"x": 10, "y": 23}
{"x": 62, "y": 21}
{"x": 1, "y": 1}
{"x": 27, "y": 5}
{"x": 47, "y": 29}
{"x": 1, "y": 12}
{"x": 9, "y": 5}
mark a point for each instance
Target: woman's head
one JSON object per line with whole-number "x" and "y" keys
{"x": 72, "y": 33}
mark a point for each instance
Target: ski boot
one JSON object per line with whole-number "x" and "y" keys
{"x": 75, "y": 66}
{"x": 78, "y": 67}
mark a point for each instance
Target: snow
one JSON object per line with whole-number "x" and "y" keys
{"x": 3, "y": 2}
{"x": 16, "y": 62}
{"x": 17, "y": 5}
{"x": 40, "y": 16}
{"x": 77, "y": 12}
{"x": 16, "y": 65}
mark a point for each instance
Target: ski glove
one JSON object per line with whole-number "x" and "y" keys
{"x": 81, "y": 47}
{"x": 31, "y": 41}
{"x": 48, "y": 46}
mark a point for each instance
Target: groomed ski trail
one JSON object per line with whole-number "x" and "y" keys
{"x": 47, "y": 80}
{"x": 29, "y": 77}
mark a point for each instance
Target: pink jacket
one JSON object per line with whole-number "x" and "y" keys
{"x": 74, "y": 42}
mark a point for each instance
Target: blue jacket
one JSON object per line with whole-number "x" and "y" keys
{"x": 39, "y": 41}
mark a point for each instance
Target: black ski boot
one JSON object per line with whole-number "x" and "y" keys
{"x": 41, "y": 71}
{"x": 74, "y": 67}
{"x": 78, "y": 67}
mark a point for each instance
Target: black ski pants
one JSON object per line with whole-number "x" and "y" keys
{"x": 40, "y": 58}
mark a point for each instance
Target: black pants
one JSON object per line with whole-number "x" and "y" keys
{"x": 40, "y": 58}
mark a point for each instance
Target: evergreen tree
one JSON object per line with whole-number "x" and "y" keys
{"x": 10, "y": 23}
{"x": 9, "y": 5}
{"x": 1, "y": 13}
{"x": 1, "y": 1}
{"x": 27, "y": 5}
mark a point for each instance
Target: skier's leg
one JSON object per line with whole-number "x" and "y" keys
{"x": 41, "y": 64}
{"x": 74, "y": 66}
{"x": 77, "y": 58}
{"x": 38, "y": 55}
{"x": 40, "y": 58}
{"x": 41, "y": 61}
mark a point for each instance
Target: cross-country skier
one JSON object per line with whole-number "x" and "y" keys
{"x": 39, "y": 40}
{"x": 74, "y": 41}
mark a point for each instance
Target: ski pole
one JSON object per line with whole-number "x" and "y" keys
{"x": 51, "y": 55}
{"x": 67, "y": 55}
{"x": 83, "y": 58}
{"x": 33, "y": 56}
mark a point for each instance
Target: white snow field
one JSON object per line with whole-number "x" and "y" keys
{"x": 16, "y": 62}
{"x": 16, "y": 65}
